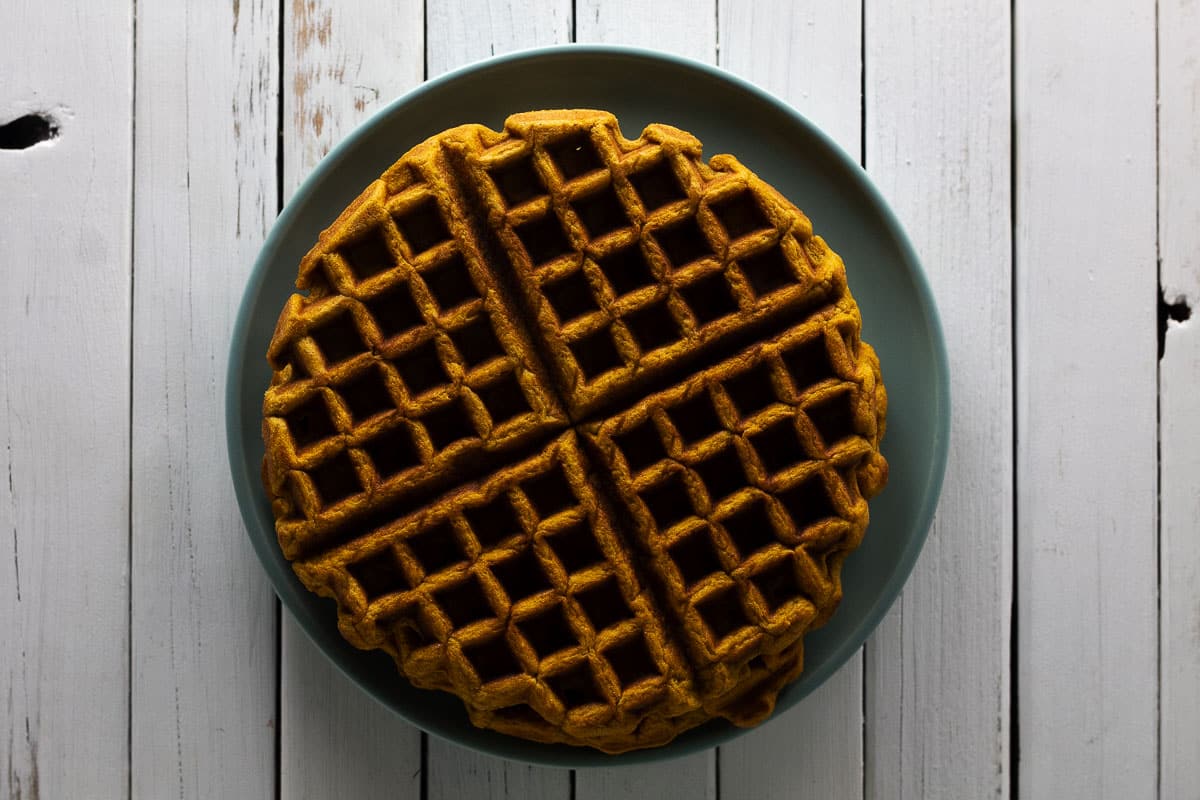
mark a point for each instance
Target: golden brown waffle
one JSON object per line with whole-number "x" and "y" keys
{"x": 576, "y": 427}
{"x": 632, "y": 257}
{"x": 747, "y": 486}
{"x": 518, "y": 594}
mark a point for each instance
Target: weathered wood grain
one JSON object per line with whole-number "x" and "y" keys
{"x": 341, "y": 62}
{"x": 810, "y": 55}
{"x": 692, "y": 777}
{"x": 203, "y": 616}
{"x": 675, "y": 26}
{"x": 459, "y": 32}
{"x": 937, "y": 144}
{"x": 812, "y": 750}
{"x": 1087, "y": 665}
{"x": 1179, "y": 388}
{"x": 807, "y": 53}
{"x": 64, "y": 401}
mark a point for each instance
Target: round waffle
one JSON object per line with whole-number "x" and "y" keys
{"x": 576, "y": 427}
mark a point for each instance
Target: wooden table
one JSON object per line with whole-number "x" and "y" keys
{"x": 1046, "y": 161}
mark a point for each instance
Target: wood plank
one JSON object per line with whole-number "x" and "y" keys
{"x": 341, "y": 62}
{"x": 812, "y": 750}
{"x": 1179, "y": 386}
{"x": 461, "y": 31}
{"x": 455, "y": 773}
{"x": 675, "y": 26}
{"x": 65, "y": 217}
{"x": 810, "y": 55}
{"x": 937, "y": 112}
{"x": 337, "y": 741}
{"x": 1086, "y": 396}
{"x": 692, "y": 777}
{"x": 495, "y": 27}
{"x": 685, "y": 28}
{"x": 203, "y": 615}
{"x": 807, "y": 53}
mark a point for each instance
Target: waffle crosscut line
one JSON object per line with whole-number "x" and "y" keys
{"x": 662, "y": 340}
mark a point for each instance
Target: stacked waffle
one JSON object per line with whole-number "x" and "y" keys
{"x": 576, "y": 427}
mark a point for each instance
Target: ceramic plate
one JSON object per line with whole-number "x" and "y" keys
{"x": 728, "y": 115}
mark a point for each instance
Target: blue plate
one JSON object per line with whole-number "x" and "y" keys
{"x": 728, "y": 115}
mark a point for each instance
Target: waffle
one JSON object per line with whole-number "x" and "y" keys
{"x": 747, "y": 487}
{"x": 575, "y": 427}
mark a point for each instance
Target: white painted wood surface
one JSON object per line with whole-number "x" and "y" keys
{"x": 64, "y": 382}
{"x": 937, "y": 143}
{"x": 138, "y": 641}
{"x": 202, "y": 612}
{"x": 683, "y": 27}
{"x": 1179, "y": 390}
{"x": 1087, "y": 644}
{"x": 341, "y": 61}
{"x": 810, "y": 55}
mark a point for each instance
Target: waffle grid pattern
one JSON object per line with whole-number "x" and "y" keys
{"x": 671, "y": 328}
{"x": 519, "y": 594}
{"x": 743, "y": 486}
{"x": 633, "y": 255}
{"x": 400, "y": 364}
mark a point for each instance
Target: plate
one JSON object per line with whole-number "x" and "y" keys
{"x": 728, "y": 115}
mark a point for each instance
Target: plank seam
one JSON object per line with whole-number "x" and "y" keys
{"x": 717, "y": 773}
{"x": 1158, "y": 430}
{"x": 717, "y": 32}
{"x": 424, "y": 768}
{"x": 1014, "y": 726}
{"x": 129, "y": 499}
{"x": 862, "y": 160}
{"x": 424, "y": 737}
{"x": 279, "y": 148}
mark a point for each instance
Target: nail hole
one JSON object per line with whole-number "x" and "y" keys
{"x": 1178, "y": 311}
{"x": 24, "y": 132}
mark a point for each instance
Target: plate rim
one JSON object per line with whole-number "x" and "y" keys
{"x": 247, "y": 485}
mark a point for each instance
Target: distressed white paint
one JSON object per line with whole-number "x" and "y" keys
{"x": 455, "y": 773}
{"x": 810, "y": 55}
{"x": 337, "y": 741}
{"x": 64, "y": 402}
{"x": 1087, "y": 649}
{"x": 341, "y": 62}
{"x": 1179, "y": 386}
{"x": 203, "y": 615}
{"x": 459, "y": 32}
{"x": 807, "y": 53}
{"x": 683, "y": 27}
{"x": 937, "y": 144}
{"x": 937, "y": 719}
{"x": 812, "y": 750}
{"x": 692, "y": 777}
